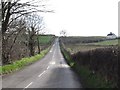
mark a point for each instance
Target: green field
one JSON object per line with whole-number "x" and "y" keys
{"x": 76, "y": 44}
{"x": 108, "y": 42}
{"x": 46, "y": 39}
{"x": 76, "y": 48}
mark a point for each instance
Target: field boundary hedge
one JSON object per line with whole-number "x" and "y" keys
{"x": 89, "y": 78}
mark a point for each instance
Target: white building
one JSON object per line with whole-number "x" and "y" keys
{"x": 111, "y": 36}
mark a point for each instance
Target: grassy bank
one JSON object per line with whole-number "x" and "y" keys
{"x": 89, "y": 79}
{"x": 22, "y": 63}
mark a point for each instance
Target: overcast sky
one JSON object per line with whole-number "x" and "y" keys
{"x": 82, "y": 17}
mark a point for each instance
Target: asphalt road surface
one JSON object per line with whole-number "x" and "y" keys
{"x": 50, "y": 72}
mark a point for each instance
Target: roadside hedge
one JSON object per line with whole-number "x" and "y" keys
{"x": 97, "y": 68}
{"x": 103, "y": 61}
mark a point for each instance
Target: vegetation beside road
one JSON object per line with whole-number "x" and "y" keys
{"x": 20, "y": 32}
{"x": 88, "y": 79}
{"x": 18, "y": 64}
{"x": 97, "y": 66}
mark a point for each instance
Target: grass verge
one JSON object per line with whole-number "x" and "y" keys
{"x": 88, "y": 79}
{"x": 22, "y": 63}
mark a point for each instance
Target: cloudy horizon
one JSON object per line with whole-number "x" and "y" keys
{"x": 82, "y": 17}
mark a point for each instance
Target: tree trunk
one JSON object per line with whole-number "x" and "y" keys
{"x": 31, "y": 46}
{"x": 31, "y": 49}
{"x": 38, "y": 44}
{"x": 5, "y": 18}
{"x": 31, "y": 42}
{"x": 5, "y": 54}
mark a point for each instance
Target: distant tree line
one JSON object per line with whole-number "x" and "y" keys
{"x": 75, "y": 40}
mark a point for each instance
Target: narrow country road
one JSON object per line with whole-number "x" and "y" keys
{"x": 50, "y": 72}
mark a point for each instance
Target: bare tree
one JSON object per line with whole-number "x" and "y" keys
{"x": 16, "y": 9}
{"x": 63, "y": 33}
{"x": 34, "y": 24}
{"x": 0, "y": 38}
{"x": 17, "y": 28}
{"x": 13, "y": 10}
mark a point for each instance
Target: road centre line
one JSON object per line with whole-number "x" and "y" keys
{"x": 53, "y": 54}
{"x": 29, "y": 85}
{"x": 48, "y": 67}
{"x": 41, "y": 74}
